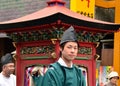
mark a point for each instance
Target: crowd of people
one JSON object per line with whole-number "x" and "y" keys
{"x": 61, "y": 73}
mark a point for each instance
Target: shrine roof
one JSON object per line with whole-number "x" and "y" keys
{"x": 51, "y": 14}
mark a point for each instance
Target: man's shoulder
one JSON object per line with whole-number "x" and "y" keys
{"x": 12, "y": 75}
{"x": 55, "y": 67}
{"x": 108, "y": 84}
{"x": 77, "y": 68}
{"x": 1, "y": 75}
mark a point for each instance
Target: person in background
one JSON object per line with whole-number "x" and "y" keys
{"x": 64, "y": 72}
{"x": 7, "y": 77}
{"x": 113, "y": 78}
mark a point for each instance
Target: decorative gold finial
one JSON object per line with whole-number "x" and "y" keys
{"x": 54, "y": 40}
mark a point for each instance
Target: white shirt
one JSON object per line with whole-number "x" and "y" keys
{"x": 61, "y": 61}
{"x": 7, "y": 81}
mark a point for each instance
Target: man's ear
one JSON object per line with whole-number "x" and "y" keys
{"x": 60, "y": 49}
{"x": 3, "y": 67}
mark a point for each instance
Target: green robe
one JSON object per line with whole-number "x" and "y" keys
{"x": 58, "y": 75}
{"x": 37, "y": 80}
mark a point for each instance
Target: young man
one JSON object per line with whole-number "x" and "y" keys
{"x": 6, "y": 76}
{"x": 113, "y": 78}
{"x": 64, "y": 72}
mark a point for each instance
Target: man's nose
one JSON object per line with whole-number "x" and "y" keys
{"x": 72, "y": 50}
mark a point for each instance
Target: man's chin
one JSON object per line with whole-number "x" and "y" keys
{"x": 12, "y": 72}
{"x": 71, "y": 59}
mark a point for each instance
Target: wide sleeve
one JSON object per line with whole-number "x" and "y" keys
{"x": 83, "y": 82}
{"x": 51, "y": 78}
{"x": 81, "y": 77}
{"x": 37, "y": 80}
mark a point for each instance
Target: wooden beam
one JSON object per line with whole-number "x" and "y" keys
{"x": 105, "y": 3}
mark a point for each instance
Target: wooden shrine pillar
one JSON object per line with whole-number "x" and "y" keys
{"x": 116, "y": 61}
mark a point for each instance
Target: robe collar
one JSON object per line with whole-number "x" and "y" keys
{"x": 61, "y": 62}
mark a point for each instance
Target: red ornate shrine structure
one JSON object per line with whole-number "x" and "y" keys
{"x": 37, "y": 37}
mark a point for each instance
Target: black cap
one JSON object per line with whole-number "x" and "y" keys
{"x": 69, "y": 35}
{"x": 6, "y": 59}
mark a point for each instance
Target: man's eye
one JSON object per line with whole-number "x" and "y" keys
{"x": 72, "y": 47}
{"x": 75, "y": 48}
{"x": 69, "y": 47}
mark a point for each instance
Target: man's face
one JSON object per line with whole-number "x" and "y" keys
{"x": 70, "y": 50}
{"x": 9, "y": 69}
{"x": 114, "y": 80}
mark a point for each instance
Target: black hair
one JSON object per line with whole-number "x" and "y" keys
{"x": 113, "y": 77}
{"x": 63, "y": 44}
